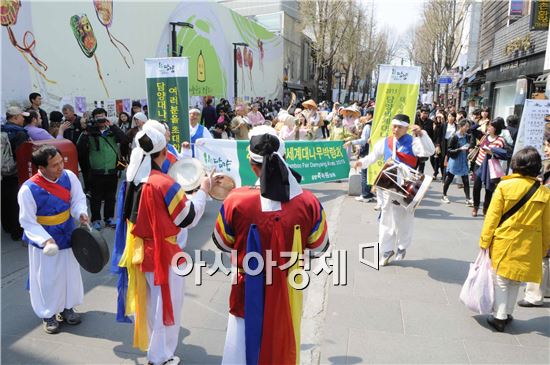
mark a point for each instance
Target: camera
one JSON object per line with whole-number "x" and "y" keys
{"x": 92, "y": 125}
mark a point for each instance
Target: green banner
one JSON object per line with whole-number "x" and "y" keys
{"x": 168, "y": 95}
{"x": 397, "y": 93}
{"x": 316, "y": 161}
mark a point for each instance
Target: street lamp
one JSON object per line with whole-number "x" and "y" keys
{"x": 338, "y": 75}
{"x": 235, "y": 45}
{"x": 174, "y": 25}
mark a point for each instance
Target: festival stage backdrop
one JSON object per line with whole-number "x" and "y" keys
{"x": 95, "y": 49}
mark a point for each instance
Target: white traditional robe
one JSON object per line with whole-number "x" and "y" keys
{"x": 396, "y": 222}
{"x": 163, "y": 340}
{"x": 55, "y": 282}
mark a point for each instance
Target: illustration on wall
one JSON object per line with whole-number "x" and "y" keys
{"x": 240, "y": 66}
{"x": 85, "y": 37}
{"x": 201, "y": 68}
{"x": 9, "y": 10}
{"x": 104, "y": 12}
{"x": 208, "y": 47}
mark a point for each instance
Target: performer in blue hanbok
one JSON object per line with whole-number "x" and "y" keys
{"x": 48, "y": 203}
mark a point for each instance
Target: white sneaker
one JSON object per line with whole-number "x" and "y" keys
{"x": 385, "y": 259}
{"x": 469, "y": 203}
{"x": 445, "y": 199}
{"x": 400, "y": 254}
{"x": 377, "y": 207}
{"x": 360, "y": 198}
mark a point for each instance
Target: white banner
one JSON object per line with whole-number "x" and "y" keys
{"x": 166, "y": 67}
{"x": 220, "y": 155}
{"x": 531, "y": 128}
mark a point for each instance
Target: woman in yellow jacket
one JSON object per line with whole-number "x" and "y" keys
{"x": 519, "y": 244}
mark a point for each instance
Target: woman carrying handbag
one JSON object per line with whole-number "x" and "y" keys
{"x": 517, "y": 233}
{"x": 492, "y": 146}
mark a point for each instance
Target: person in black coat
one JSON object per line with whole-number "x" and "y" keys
{"x": 426, "y": 124}
{"x": 209, "y": 117}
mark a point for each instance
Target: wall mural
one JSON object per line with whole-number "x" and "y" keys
{"x": 118, "y": 71}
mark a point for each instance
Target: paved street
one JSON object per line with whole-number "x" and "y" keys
{"x": 407, "y": 312}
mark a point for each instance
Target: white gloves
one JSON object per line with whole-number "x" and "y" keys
{"x": 51, "y": 248}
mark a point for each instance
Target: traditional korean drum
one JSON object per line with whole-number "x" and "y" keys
{"x": 190, "y": 172}
{"x": 404, "y": 184}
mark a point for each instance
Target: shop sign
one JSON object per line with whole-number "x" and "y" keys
{"x": 515, "y": 9}
{"x": 513, "y": 65}
{"x": 539, "y": 15}
{"x": 519, "y": 46}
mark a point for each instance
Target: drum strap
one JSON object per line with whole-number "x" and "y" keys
{"x": 401, "y": 156}
{"x": 52, "y": 188}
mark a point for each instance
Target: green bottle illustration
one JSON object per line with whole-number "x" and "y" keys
{"x": 201, "y": 69}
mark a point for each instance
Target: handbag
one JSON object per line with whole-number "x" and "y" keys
{"x": 495, "y": 169}
{"x": 472, "y": 155}
{"x": 478, "y": 292}
{"x": 121, "y": 161}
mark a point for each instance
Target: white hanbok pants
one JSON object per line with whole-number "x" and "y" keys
{"x": 234, "y": 351}
{"x": 396, "y": 225}
{"x": 55, "y": 282}
{"x": 163, "y": 340}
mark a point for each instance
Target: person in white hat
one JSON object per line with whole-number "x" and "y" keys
{"x": 287, "y": 126}
{"x": 138, "y": 120}
{"x": 276, "y": 216}
{"x": 396, "y": 222}
{"x": 351, "y": 118}
{"x": 196, "y": 131}
{"x": 158, "y": 214}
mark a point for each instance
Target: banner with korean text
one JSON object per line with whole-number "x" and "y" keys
{"x": 316, "y": 161}
{"x": 168, "y": 95}
{"x": 535, "y": 123}
{"x": 397, "y": 93}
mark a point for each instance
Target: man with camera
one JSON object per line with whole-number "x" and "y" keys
{"x": 98, "y": 156}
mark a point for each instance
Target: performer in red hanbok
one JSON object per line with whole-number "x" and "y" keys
{"x": 158, "y": 214}
{"x": 275, "y": 217}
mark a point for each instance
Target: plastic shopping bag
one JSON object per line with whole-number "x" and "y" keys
{"x": 495, "y": 169}
{"x": 478, "y": 293}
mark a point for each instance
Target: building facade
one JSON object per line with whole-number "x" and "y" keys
{"x": 283, "y": 18}
{"x": 511, "y": 56}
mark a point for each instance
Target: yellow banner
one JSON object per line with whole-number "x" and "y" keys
{"x": 397, "y": 93}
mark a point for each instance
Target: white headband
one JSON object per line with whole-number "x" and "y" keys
{"x": 400, "y": 123}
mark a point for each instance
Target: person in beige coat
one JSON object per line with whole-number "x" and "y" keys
{"x": 518, "y": 245}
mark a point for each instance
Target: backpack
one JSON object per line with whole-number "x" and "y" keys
{"x": 8, "y": 162}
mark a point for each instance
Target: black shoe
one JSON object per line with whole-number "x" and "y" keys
{"x": 497, "y": 324}
{"x": 509, "y": 318}
{"x": 526, "y": 304}
{"x": 69, "y": 316}
{"x": 51, "y": 325}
